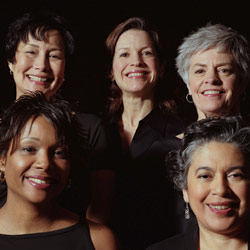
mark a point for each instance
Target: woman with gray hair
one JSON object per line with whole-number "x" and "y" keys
{"x": 212, "y": 169}
{"x": 214, "y": 63}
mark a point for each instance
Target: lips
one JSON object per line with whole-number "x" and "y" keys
{"x": 40, "y": 80}
{"x": 136, "y": 74}
{"x": 40, "y": 182}
{"x": 221, "y": 208}
{"x": 212, "y": 92}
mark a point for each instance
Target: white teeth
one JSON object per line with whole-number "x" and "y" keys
{"x": 220, "y": 207}
{"x": 211, "y": 92}
{"x": 36, "y": 78}
{"x": 135, "y": 74}
{"x": 39, "y": 181}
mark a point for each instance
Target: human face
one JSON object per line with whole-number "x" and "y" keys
{"x": 214, "y": 83}
{"x": 218, "y": 188}
{"x": 136, "y": 67}
{"x": 39, "y": 65}
{"x": 37, "y": 169}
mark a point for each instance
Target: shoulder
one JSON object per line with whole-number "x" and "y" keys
{"x": 87, "y": 119}
{"x": 102, "y": 236}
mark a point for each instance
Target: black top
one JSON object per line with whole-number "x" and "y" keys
{"x": 143, "y": 211}
{"x": 185, "y": 241}
{"x": 96, "y": 155}
{"x": 75, "y": 237}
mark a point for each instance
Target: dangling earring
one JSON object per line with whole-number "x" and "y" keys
{"x": 188, "y": 99}
{"x": 187, "y": 214}
{"x": 69, "y": 184}
{"x": 2, "y": 176}
{"x": 11, "y": 72}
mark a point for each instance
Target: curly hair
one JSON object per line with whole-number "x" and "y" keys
{"x": 228, "y": 129}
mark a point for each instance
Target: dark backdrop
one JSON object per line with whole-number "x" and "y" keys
{"x": 91, "y": 22}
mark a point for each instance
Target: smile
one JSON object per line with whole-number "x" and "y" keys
{"x": 212, "y": 92}
{"x": 39, "y": 181}
{"x": 39, "y": 79}
{"x": 136, "y": 74}
{"x": 222, "y": 207}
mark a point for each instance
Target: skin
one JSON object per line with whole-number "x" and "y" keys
{"x": 46, "y": 60}
{"x": 218, "y": 192}
{"x": 136, "y": 69}
{"x": 37, "y": 171}
{"x": 214, "y": 83}
{"x": 39, "y": 65}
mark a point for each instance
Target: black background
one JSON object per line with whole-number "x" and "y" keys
{"x": 91, "y": 22}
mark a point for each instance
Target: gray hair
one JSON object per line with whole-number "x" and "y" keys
{"x": 214, "y": 36}
{"x": 228, "y": 129}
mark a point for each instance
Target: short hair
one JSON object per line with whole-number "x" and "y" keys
{"x": 36, "y": 24}
{"x": 214, "y": 36}
{"x": 30, "y": 106}
{"x": 228, "y": 129}
{"x": 137, "y": 23}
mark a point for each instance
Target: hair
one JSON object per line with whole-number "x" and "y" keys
{"x": 137, "y": 23}
{"x": 30, "y": 106}
{"x": 229, "y": 129}
{"x": 36, "y": 24}
{"x": 214, "y": 36}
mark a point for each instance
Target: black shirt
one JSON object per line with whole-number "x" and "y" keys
{"x": 144, "y": 199}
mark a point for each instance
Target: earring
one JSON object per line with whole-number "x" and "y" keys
{"x": 11, "y": 72}
{"x": 188, "y": 99}
{"x": 69, "y": 184}
{"x": 187, "y": 214}
{"x": 2, "y": 176}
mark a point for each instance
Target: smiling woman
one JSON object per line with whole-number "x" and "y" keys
{"x": 39, "y": 150}
{"x": 214, "y": 63}
{"x": 143, "y": 130}
{"x": 212, "y": 168}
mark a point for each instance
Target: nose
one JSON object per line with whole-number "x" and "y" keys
{"x": 212, "y": 78}
{"x": 219, "y": 186}
{"x": 41, "y": 63}
{"x": 43, "y": 161}
{"x": 136, "y": 60}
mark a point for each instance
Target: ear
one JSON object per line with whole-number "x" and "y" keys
{"x": 10, "y": 66}
{"x": 189, "y": 89}
{"x": 185, "y": 195}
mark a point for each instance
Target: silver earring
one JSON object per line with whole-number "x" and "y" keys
{"x": 187, "y": 214}
{"x": 188, "y": 98}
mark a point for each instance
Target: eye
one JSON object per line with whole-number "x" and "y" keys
{"x": 199, "y": 71}
{"x": 147, "y": 53}
{"x": 28, "y": 149}
{"x": 124, "y": 54}
{"x": 61, "y": 153}
{"x": 236, "y": 176}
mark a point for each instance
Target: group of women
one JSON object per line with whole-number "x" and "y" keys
{"x": 71, "y": 180}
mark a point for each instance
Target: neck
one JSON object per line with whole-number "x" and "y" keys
{"x": 135, "y": 109}
{"x": 28, "y": 218}
{"x": 217, "y": 241}
{"x": 203, "y": 115}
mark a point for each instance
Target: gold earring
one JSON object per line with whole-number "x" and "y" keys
{"x": 2, "y": 176}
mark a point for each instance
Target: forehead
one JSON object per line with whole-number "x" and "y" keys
{"x": 217, "y": 154}
{"x": 134, "y": 36}
{"x": 50, "y": 37}
{"x": 214, "y": 55}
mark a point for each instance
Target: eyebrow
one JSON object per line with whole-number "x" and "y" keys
{"x": 29, "y": 138}
{"x": 228, "y": 170}
{"x": 205, "y": 65}
{"x": 36, "y": 46}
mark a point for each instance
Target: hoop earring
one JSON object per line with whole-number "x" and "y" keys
{"x": 2, "y": 176}
{"x": 187, "y": 214}
{"x": 188, "y": 99}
